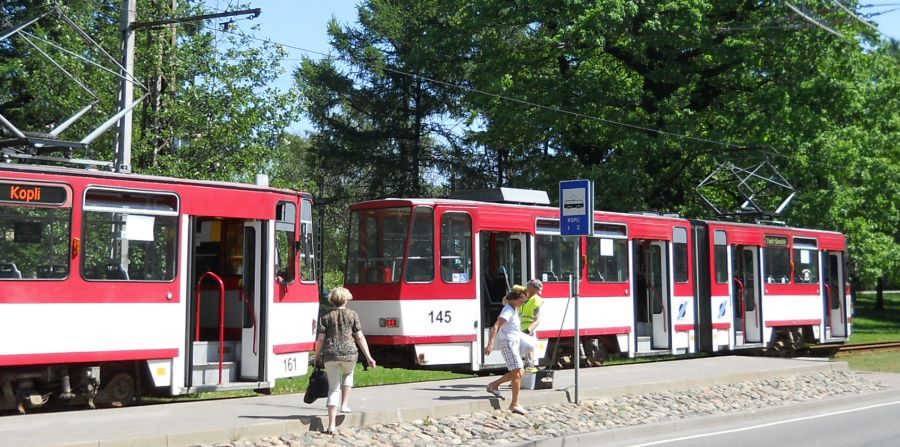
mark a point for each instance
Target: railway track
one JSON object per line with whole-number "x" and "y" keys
{"x": 831, "y": 350}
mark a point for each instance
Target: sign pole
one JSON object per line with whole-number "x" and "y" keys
{"x": 576, "y": 218}
{"x": 577, "y": 354}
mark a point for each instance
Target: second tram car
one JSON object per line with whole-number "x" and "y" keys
{"x": 428, "y": 277}
{"x": 113, "y": 286}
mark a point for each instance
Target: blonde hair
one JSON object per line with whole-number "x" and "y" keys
{"x": 339, "y": 296}
{"x": 518, "y": 288}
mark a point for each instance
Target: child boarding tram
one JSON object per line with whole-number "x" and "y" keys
{"x": 428, "y": 277}
{"x": 113, "y": 286}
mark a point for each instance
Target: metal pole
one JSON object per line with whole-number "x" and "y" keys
{"x": 126, "y": 91}
{"x": 577, "y": 355}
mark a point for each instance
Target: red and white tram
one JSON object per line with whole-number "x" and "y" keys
{"x": 428, "y": 277}
{"x": 112, "y": 286}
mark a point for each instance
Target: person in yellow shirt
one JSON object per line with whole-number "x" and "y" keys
{"x": 530, "y": 316}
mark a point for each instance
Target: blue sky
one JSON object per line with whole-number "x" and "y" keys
{"x": 302, "y": 23}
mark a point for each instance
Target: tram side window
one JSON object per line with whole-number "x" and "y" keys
{"x": 129, "y": 236}
{"x": 307, "y": 244}
{"x": 607, "y": 253}
{"x": 720, "y": 255}
{"x": 806, "y": 263}
{"x": 680, "y": 254}
{"x": 285, "y": 248}
{"x": 420, "y": 264}
{"x": 778, "y": 260}
{"x": 607, "y": 259}
{"x": 456, "y": 247}
{"x": 34, "y": 242}
{"x": 376, "y": 244}
{"x": 554, "y": 257}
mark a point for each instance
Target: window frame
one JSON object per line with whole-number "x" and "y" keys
{"x": 174, "y": 212}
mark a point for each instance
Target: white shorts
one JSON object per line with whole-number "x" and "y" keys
{"x": 510, "y": 351}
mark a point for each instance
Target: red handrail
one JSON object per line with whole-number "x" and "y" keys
{"x": 221, "y": 317}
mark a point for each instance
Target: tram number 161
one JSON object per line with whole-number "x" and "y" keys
{"x": 441, "y": 316}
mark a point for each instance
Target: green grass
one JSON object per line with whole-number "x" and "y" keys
{"x": 870, "y": 325}
{"x": 373, "y": 377}
{"x": 884, "y": 361}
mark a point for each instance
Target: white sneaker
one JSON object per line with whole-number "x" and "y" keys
{"x": 346, "y": 409}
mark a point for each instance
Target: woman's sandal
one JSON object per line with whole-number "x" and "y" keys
{"x": 495, "y": 392}
{"x": 518, "y": 410}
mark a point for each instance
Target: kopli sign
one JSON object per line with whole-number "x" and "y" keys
{"x": 29, "y": 193}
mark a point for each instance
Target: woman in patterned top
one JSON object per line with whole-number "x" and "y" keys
{"x": 340, "y": 332}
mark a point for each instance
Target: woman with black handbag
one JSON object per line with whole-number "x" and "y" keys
{"x": 340, "y": 332}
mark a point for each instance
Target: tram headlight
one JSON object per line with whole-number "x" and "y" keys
{"x": 389, "y": 322}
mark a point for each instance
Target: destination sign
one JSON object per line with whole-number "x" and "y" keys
{"x": 776, "y": 241}
{"x": 30, "y": 193}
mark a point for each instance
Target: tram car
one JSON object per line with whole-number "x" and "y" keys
{"x": 428, "y": 277}
{"x": 114, "y": 286}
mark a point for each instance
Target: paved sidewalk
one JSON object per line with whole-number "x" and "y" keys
{"x": 210, "y": 422}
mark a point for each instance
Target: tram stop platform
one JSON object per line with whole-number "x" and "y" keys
{"x": 228, "y": 420}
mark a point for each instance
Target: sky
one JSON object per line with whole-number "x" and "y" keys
{"x": 303, "y": 24}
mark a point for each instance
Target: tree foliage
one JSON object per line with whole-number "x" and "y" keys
{"x": 642, "y": 97}
{"x": 210, "y": 111}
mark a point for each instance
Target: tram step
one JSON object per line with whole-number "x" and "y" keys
{"x": 208, "y": 374}
{"x": 652, "y": 353}
{"x": 208, "y": 352}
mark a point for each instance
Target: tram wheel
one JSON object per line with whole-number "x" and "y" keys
{"x": 117, "y": 388}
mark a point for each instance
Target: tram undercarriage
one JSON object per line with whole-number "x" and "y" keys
{"x": 108, "y": 384}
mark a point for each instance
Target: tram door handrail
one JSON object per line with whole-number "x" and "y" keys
{"x": 221, "y": 317}
{"x": 743, "y": 308}
{"x": 250, "y": 310}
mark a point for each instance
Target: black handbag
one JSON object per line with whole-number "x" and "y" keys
{"x": 318, "y": 385}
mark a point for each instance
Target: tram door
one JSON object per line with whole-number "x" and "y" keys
{"x": 504, "y": 263}
{"x": 651, "y": 294}
{"x": 251, "y": 296}
{"x": 745, "y": 297}
{"x": 835, "y": 305}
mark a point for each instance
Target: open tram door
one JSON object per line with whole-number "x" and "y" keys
{"x": 503, "y": 263}
{"x": 652, "y": 297}
{"x": 835, "y": 296}
{"x": 225, "y": 304}
{"x": 745, "y": 295}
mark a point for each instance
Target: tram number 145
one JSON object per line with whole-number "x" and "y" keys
{"x": 441, "y": 316}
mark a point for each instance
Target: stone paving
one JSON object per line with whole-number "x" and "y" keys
{"x": 502, "y": 427}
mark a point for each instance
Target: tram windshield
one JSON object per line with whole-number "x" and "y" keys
{"x": 376, "y": 244}
{"x": 34, "y": 242}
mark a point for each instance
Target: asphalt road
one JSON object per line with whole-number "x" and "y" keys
{"x": 871, "y": 420}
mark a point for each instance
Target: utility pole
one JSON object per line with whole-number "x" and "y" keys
{"x": 126, "y": 90}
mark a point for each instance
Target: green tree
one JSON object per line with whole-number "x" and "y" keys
{"x": 212, "y": 115}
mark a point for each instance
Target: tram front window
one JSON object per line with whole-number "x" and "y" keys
{"x": 376, "y": 244}
{"x": 34, "y": 242}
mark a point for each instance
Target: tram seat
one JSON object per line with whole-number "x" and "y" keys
{"x": 52, "y": 271}
{"x": 115, "y": 271}
{"x": 549, "y": 276}
{"x": 10, "y": 271}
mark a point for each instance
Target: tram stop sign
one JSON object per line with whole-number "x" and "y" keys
{"x": 576, "y": 207}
